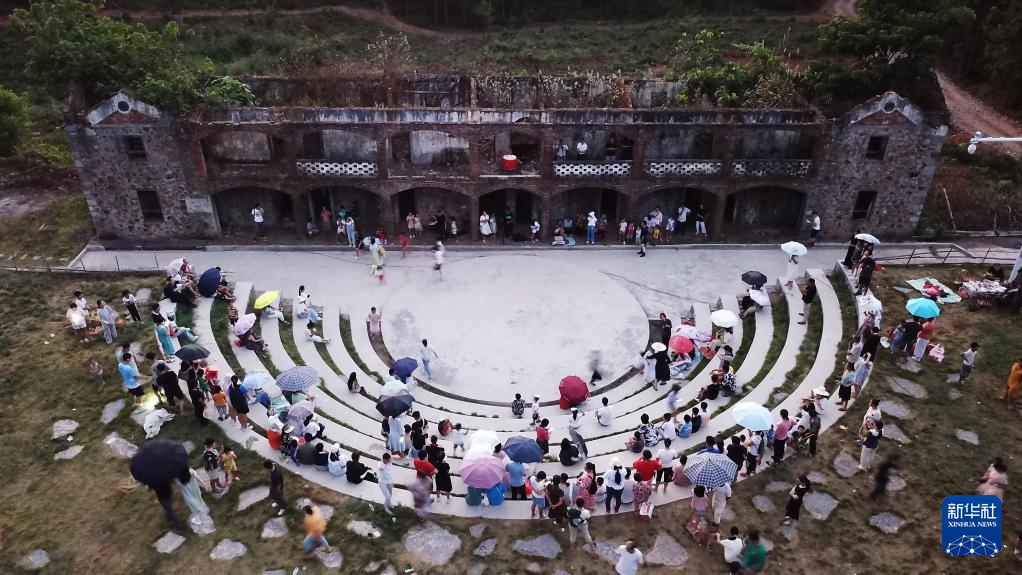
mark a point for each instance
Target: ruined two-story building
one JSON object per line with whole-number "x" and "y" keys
{"x": 386, "y": 149}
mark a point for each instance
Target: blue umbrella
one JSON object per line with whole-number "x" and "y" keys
{"x": 297, "y": 378}
{"x": 208, "y": 282}
{"x": 752, "y": 416}
{"x": 523, "y": 449}
{"x": 710, "y": 469}
{"x": 404, "y": 367}
{"x": 923, "y": 307}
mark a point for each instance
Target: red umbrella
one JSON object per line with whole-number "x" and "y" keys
{"x": 573, "y": 391}
{"x": 681, "y": 344}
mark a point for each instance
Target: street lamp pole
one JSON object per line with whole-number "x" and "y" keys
{"x": 977, "y": 138}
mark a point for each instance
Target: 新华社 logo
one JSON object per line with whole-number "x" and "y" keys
{"x": 971, "y": 525}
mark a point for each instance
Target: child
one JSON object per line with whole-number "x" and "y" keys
{"x": 220, "y": 402}
{"x": 538, "y": 484}
{"x": 630, "y": 233}
{"x": 129, "y": 301}
{"x": 535, "y": 411}
{"x": 686, "y": 428}
{"x": 211, "y": 463}
{"x": 534, "y": 228}
{"x": 232, "y": 313}
{"x": 696, "y": 420}
{"x": 968, "y": 360}
{"x": 699, "y": 504}
{"x": 670, "y": 228}
{"x": 454, "y": 230}
{"x": 457, "y": 440}
{"x": 229, "y": 463}
{"x": 844, "y": 392}
{"x": 403, "y": 239}
{"x": 96, "y": 370}
{"x": 622, "y": 231}
{"x": 635, "y": 443}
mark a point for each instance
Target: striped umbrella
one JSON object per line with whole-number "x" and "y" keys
{"x": 710, "y": 469}
{"x": 298, "y": 378}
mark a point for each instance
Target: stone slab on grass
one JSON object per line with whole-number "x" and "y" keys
{"x": 608, "y": 549}
{"x": 363, "y": 528}
{"x": 775, "y": 486}
{"x": 168, "y": 543}
{"x": 545, "y": 546}
{"x": 896, "y": 483}
{"x": 274, "y": 528}
{"x": 892, "y": 431}
{"x": 969, "y": 437}
{"x": 226, "y": 550}
{"x": 766, "y": 543}
{"x": 35, "y": 560}
{"x": 326, "y": 510}
{"x": 790, "y": 532}
{"x": 910, "y": 365}
{"x": 250, "y": 497}
{"x": 887, "y": 522}
{"x": 201, "y": 524}
{"x": 331, "y": 560}
{"x": 477, "y": 530}
{"x": 432, "y": 544}
{"x": 905, "y": 387}
{"x": 533, "y": 567}
{"x": 120, "y": 446}
{"x": 895, "y": 409}
{"x": 762, "y": 503}
{"x": 816, "y": 477}
{"x": 845, "y": 464}
{"x": 69, "y": 453}
{"x": 819, "y": 504}
{"x": 485, "y": 549}
{"x": 476, "y": 569}
{"x": 111, "y": 411}
{"x": 667, "y": 551}
{"x": 63, "y": 427}
{"x": 953, "y": 394}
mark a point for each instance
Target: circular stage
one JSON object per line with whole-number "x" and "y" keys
{"x": 515, "y": 324}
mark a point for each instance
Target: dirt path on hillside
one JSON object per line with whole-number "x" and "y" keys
{"x": 969, "y": 114}
{"x": 837, "y": 7}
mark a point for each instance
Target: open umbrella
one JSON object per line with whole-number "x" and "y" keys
{"x": 257, "y": 379}
{"x": 657, "y": 347}
{"x": 265, "y": 299}
{"x": 208, "y": 282}
{"x": 297, "y": 413}
{"x": 481, "y": 442}
{"x": 752, "y": 416}
{"x": 724, "y": 318}
{"x": 482, "y": 472}
{"x": 393, "y": 386}
{"x": 688, "y": 330}
{"x": 523, "y": 449}
{"x": 760, "y": 297}
{"x": 298, "y": 378}
{"x": 244, "y": 324}
{"x": 794, "y": 249}
{"x": 867, "y": 238}
{"x": 871, "y": 305}
{"x": 754, "y": 278}
{"x": 573, "y": 390}
{"x": 404, "y": 367}
{"x": 681, "y": 344}
{"x": 192, "y": 352}
{"x": 923, "y": 307}
{"x": 710, "y": 469}
{"x": 175, "y": 266}
{"x": 158, "y": 462}
{"x": 396, "y": 404}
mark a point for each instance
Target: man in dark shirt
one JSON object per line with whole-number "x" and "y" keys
{"x": 736, "y": 450}
{"x": 276, "y": 486}
{"x": 911, "y": 333}
{"x": 808, "y": 295}
{"x": 307, "y": 451}
{"x": 356, "y": 471}
{"x": 665, "y": 328}
{"x": 434, "y": 452}
{"x": 168, "y": 382}
{"x": 697, "y": 420}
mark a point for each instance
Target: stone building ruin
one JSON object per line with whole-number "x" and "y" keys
{"x": 387, "y": 148}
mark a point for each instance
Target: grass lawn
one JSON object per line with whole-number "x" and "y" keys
{"x": 58, "y": 231}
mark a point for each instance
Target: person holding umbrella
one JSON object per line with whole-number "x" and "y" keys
{"x": 794, "y": 250}
{"x": 157, "y": 465}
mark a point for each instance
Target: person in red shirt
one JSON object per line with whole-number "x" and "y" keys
{"x": 403, "y": 239}
{"x": 543, "y": 436}
{"x": 422, "y": 464}
{"x": 647, "y": 466}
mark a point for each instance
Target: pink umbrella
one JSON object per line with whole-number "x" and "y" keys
{"x": 482, "y": 472}
{"x": 244, "y": 323}
{"x": 573, "y": 391}
{"x": 681, "y": 344}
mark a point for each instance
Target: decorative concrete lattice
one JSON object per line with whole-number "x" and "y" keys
{"x": 349, "y": 169}
{"x": 771, "y": 168}
{"x": 684, "y": 168}
{"x": 592, "y": 169}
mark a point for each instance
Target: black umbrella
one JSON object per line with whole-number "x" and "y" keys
{"x": 396, "y": 404}
{"x": 209, "y": 281}
{"x": 754, "y": 278}
{"x": 158, "y": 462}
{"x": 192, "y": 352}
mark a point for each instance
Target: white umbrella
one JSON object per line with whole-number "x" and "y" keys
{"x": 759, "y": 296}
{"x": 867, "y": 238}
{"x": 481, "y": 442}
{"x": 658, "y": 347}
{"x": 393, "y": 386}
{"x": 690, "y": 331}
{"x": 794, "y": 248}
{"x": 175, "y": 266}
{"x": 724, "y": 318}
{"x": 872, "y": 305}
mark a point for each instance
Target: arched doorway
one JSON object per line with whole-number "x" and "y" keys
{"x": 363, "y": 205}
{"x": 764, "y": 211}
{"x": 578, "y": 202}
{"x": 523, "y": 206}
{"x": 670, "y": 200}
{"x": 430, "y": 203}
{"x": 234, "y": 210}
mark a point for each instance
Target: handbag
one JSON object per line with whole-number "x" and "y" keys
{"x": 646, "y": 510}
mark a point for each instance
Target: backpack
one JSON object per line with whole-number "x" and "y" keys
{"x": 518, "y": 407}
{"x": 575, "y": 518}
{"x": 211, "y": 460}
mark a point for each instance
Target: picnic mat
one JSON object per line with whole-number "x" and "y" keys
{"x": 951, "y": 296}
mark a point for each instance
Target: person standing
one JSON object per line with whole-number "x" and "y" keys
{"x": 257, "y": 220}
{"x": 574, "y": 424}
{"x": 719, "y": 502}
{"x": 385, "y": 481}
{"x": 129, "y": 301}
{"x": 794, "y": 506}
{"x": 238, "y": 398}
{"x": 887, "y": 469}
{"x": 517, "y": 477}
{"x": 129, "y": 373}
{"x": 276, "y": 487}
{"x": 315, "y": 526}
{"x": 543, "y": 436}
{"x": 614, "y": 480}
{"x": 733, "y": 547}
{"x": 867, "y": 266}
{"x": 791, "y": 274}
{"x": 427, "y": 354}
{"x": 578, "y": 523}
{"x": 869, "y": 445}
{"x": 591, "y": 228}
{"x": 629, "y": 559}
{"x": 560, "y": 151}
{"x": 581, "y": 149}
{"x": 438, "y": 258}
{"x": 781, "y": 431}
{"x": 814, "y": 227}
{"x": 1014, "y": 382}
{"x": 665, "y": 328}
{"x": 509, "y": 221}
{"x": 808, "y": 295}
{"x": 754, "y": 556}
{"x": 108, "y": 319}
{"x": 484, "y": 225}
{"x": 683, "y": 213}
{"x": 349, "y": 227}
{"x": 374, "y": 323}
{"x": 968, "y": 360}
{"x": 923, "y": 339}
{"x": 700, "y": 216}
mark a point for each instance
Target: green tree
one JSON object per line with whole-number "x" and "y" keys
{"x": 1003, "y": 57}
{"x": 13, "y": 122}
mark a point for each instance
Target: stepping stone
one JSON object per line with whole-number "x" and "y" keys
{"x": 485, "y": 548}
{"x": 276, "y": 572}
{"x": 789, "y": 531}
{"x": 188, "y": 445}
{"x": 667, "y": 551}
{"x": 326, "y": 510}
{"x": 533, "y": 567}
{"x": 274, "y": 528}
{"x": 35, "y": 560}
{"x": 332, "y": 560}
{"x": 887, "y": 522}
{"x": 895, "y": 409}
{"x": 895, "y": 483}
{"x": 226, "y": 550}
{"x": 372, "y": 567}
{"x": 967, "y": 436}
{"x": 250, "y": 497}
{"x": 545, "y": 546}
{"x": 728, "y": 514}
{"x": 168, "y": 543}
{"x": 432, "y": 544}
{"x": 477, "y": 530}
{"x": 201, "y": 524}
{"x": 952, "y": 378}
{"x": 816, "y": 477}
{"x": 69, "y": 453}
{"x": 775, "y": 486}
{"x": 608, "y": 549}
{"x": 389, "y": 570}
{"x": 819, "y": 504}
{"x": 845, "y": 464}
{"x": 363, "y": 528}
{"x": 766, "y": 543}
{"x": 476, "y": 569}
{"x": 111, "y": 411}
{"x": 142, "y": 295}
{"x": 892, "y": 431}
{"x": 906, "y": 387}
{"x": 63, "y": 427}
{"x": 910, "y": 365}
{"x": 120, "y": 446}
{"x": 953, "y": 394}
{"x": 762, "y": 503}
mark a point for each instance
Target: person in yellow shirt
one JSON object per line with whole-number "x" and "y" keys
{"x": 315, "y": 526}
{"x": 1014, "y": 383}
{"x": 229, "y": 463}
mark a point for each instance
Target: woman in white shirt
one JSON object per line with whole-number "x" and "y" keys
{"x": 613, "y": 481}
{"x": 310, "y": 333}
{"x": 385, "y": 482}
{"x": 303, "y": 306}
{"x": 484, "y": 225}
{"x": 628, "y": 491}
